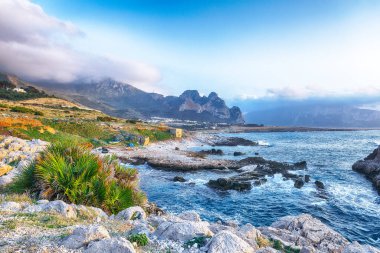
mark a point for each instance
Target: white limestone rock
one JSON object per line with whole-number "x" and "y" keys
{"x": 114, "y": 245}
{"x": 83, "y": 235}
{"x": 226, "y": 241}
{"x": 134, "y": 212}
{"x": 190, "y": 216}
{"x": 182, "y": 231}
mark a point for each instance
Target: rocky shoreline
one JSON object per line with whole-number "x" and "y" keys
{"x": 370, "y": 167}
{"x": 27, "y": 225}
{"x": 60, "y": 227}
{"x": 248, "y": 172}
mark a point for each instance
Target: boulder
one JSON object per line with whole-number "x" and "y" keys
{"x": 56, "y": 206}
{"x": 319, "y": 184}
{"x": 179, "y": 179}
{"x": 114, "y": 245}
{"x": 229, "y": 184}
{"x": 89, "y": 211}
{"x": 226, "y": 241}
{"x": 299, "y": 183}
{"x": 83, "y": 235}
{"x": 237, "y": 153}
{"x": 10, "y": 206}
{"x": 190, "y": 216}
{"x": 131, "y": 213}
{"x": 305, "y": 231}
{"x": 182, "y": 230}
{"x": 370, "y": 167}
{"x": 355, "y": 247}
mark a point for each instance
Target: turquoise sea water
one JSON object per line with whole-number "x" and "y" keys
{"x": 350, "y": 204}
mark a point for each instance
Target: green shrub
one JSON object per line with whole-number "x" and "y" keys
{"x": 105, "y": 119}
{"x": 199, "y": 241}
{"x": 277, "y": 245}
{"x": 21, "y": 109}
{"x": 3, "y": 106}
{"x": 155, "y": 135}
{"x": 72, "y": 173}
{"x": 140, "y": 239}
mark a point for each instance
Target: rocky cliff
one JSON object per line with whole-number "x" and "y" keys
{"x": 370, "y": 167}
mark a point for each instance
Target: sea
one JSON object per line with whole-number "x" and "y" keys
{"x": 349, "y": 204}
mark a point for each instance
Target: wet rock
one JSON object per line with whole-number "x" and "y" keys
{"x": 176, "y": 148}
{"x": 235, "y": 141}
{"x": 299, "y": 183}
{"x": 237, "y": 153}
{"x": 182, "y": 230}
{"x": 83, "y": 235}
{"x": 179, "y": 179}
{"x": 114, "y": 245}
{"x": 370, "y": 167}
{"x": 131, "y": 213}
{"x": 226, "y": 241}
{"x": 212, "y": 152}
{"x": 190, "y": 216}
{"x": 307, "y": 178}
{"x": 104, "y": 150}
{"x": 319, "y": 184}
{"x": 229, "y": 184}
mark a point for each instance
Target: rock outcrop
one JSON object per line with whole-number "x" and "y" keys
{"x": 16, "y": 154}
{"x": 370, "y": 167}
{"x": 185, "y": 233}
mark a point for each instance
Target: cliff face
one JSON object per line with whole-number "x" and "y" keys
{"x": 124, "y": 100}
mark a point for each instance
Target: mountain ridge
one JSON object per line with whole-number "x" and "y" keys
{"x": 124, "y": 100}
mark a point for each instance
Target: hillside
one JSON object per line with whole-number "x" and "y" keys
{"x": 124, "y": 100}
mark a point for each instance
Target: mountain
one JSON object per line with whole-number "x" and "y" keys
{"x": 124, "y": 100}
{"x": 319, "y": 115}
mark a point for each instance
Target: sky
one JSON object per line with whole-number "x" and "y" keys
{"x": 243, "y": 50}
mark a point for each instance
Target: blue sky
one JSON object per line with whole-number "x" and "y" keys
{"x": 240, "y": 49}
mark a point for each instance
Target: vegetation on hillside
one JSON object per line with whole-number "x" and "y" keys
{"x": 73, "y": 174}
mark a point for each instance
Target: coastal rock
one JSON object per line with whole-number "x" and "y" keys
{"x": 229, "y": 184}
{"x": 212, "y": 152}
{"x": 249, "y": 232}
{"x": 16, "y": 154}
{"x": 56, "y": 206}
{"x": 83, "y": 235}
{"x": 182, "y": 230}
{"x": 131, "y": 213}
{"x": 114, "y": 245}
{"x": 319, "y": 184}
{"x": 179, "y": 179}
{"x": 355, "y": 247}
{"x": 89, "y": 211}
{"x": 226, "y": 241}
{"x": 237, "y": 153}
{"x": 234, "y": 141}
{"x": 190, "y": 216}
{"x": 299, "y": 183}
{"x": 305, "y": 231}
{"x": 10, "y": 206}
{"x": 370, "y": 167}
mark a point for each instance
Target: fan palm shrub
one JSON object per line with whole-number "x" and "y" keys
{"x": 72, "y": 173}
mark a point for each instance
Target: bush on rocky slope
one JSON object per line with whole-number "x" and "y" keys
{"x": 73, "y": 174}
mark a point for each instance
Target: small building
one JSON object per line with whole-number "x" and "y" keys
{"x": 19, "y": 90}
{"x": 177, "y": 132}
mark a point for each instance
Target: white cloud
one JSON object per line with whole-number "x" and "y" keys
{"x": 37, "y": 46}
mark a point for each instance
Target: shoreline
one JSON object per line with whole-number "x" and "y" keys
{"x": 268, "y": 129}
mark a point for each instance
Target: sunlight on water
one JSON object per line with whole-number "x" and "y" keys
{"x": 349, "y": 204}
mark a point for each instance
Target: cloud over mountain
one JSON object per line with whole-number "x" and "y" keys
{"x": 37, "y": 46}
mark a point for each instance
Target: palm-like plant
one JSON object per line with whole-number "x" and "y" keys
{"x": 73, "y": 174}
